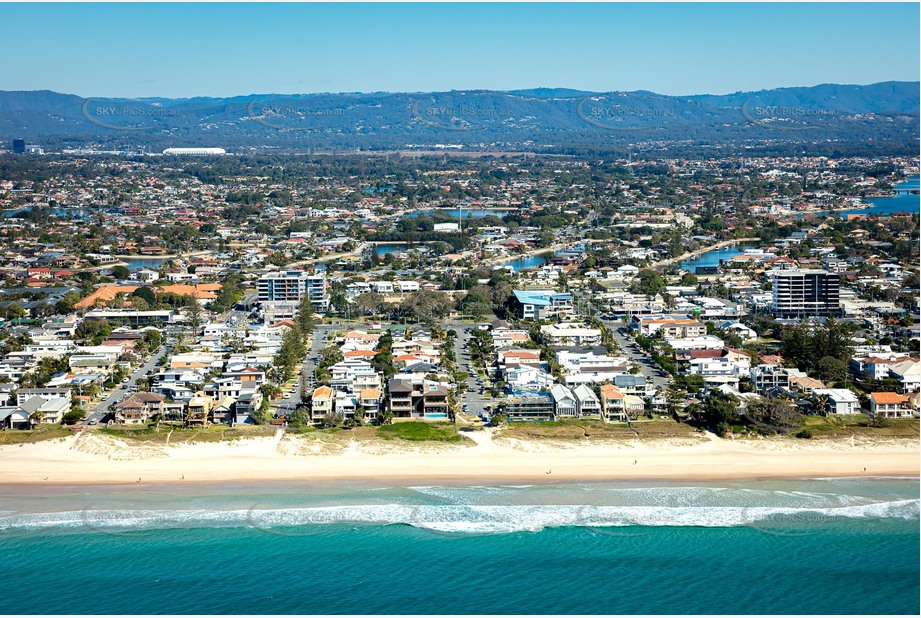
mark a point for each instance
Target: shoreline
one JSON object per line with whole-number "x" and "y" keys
{"x": 456, "y": 481}
{"x": 102, "y": 460}
{"x": 698, "y": 252}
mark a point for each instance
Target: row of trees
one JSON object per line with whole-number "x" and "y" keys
{"x": 823, "y": 350}
{"x": 721, "y": 412}
{"x": 295, "y": 343}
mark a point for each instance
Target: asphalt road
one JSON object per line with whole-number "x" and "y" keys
{"x": 470, "y": 393}
{"x": 308, "y": 370}
{"x": 636, "y": 354}
{"x": 102, "y": 409}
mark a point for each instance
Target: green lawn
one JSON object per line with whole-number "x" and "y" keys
{"x": 14, "y": 436}
{"x": 182, "y": 435}
{"x": 593, "y": 429}
{"x": 858, "y": 425}
{"x": 417, "y": 431}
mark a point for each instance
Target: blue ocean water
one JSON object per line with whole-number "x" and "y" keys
{"x": 807, "y": 546}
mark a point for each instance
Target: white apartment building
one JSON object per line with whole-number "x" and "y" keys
{"x": 291, "y": 285}
{"x": 798, "y": 292}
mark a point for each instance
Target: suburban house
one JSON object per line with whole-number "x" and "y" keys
{"x": 674, "y": 329}
{"x": 890, "y": 405}
{"x": 247, "y": 407}
{"x": 527, "y": 379}
{"x": 222, "y": 412}
{"x": 352, "y": 375}
{"x": 587, "y": 401}
{"x": 15, "y": 417}
{"x": 198, "y": 410}
{"x": 634, "y": 406}
{"x": 612, "y": 404}
{"x": 564, "y": 401}
{"x": 421, "y": 400}
{"x": 138, "y": 408}
{"x": 542, "y": 304}
{"x": 840, "y": 400}
{"x": 321, "y": 402}
{"x": 769, "y": 377}
{"x": 630, "y": 384}
{"x": 570, "y": 334}
{"x": 370, "y": 400}
{"x": 25, "y": 394}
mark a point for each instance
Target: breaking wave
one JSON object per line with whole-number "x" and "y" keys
{"x": 456, "y": 518}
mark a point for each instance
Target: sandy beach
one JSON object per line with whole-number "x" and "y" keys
{"x": 100, "y": 459}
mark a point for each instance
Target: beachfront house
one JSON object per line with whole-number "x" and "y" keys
{"x": 417, "y": 398}
{"x": 837, "y": 400}
{"x": 634, "y": 406}
{"x": 532, "y": 407}
{"x": 612, "y": 404}
{"x": 138, "y": 408}
{"x": 890, "y": 405}
{"x": 198, "y": 410}
{"x": 564, "y": 401}
{"x": 321, "y": 402}
{"x": 587, "y": 401}
{"x": 247, "y": 407}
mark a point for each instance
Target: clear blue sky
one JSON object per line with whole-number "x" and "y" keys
{"x": 183, "y": 50}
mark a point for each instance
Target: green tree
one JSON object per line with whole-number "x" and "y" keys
{"x": 291, "y": 352}
{"x": 720, "y": 411}
{"x": 120, "y": 273}
{"x": 147, "y": 294}
{"x": 300, "y": 416}
{"x": 773, "y": 414}
{"x": 196, "y": 315}
{"x": 153, "y": 339}
{"x": 305, "y": 317}
{"x": 831, "y": 369}
{"x": 93, "y": 331}
{"x": 15, "y": 312}
{"x": 230, "y": 294}
{"x": 369, "y": 302}
{"x": 67, "y": 302}
{"x": 476, "y": 304}
{"x": 73, "y": 417}
{"x": 428, "y": 307}
{"x": 648, "y": 282}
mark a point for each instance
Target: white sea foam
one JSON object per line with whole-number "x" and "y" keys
{"x": 459, "y": 518}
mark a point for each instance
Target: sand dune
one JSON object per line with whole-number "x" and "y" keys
{"x": 96, "y": 458}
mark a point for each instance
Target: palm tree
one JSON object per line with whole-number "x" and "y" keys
{"x": 821, "y": 403}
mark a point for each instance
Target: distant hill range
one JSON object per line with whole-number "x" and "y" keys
{"x": 548, "y": 119}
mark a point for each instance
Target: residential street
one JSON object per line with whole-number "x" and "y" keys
{"x": 308, "y": 370}
{"x": 470, "y": 393}
{"x": 102, "y": 409}
{"x": 636, "y": 354}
